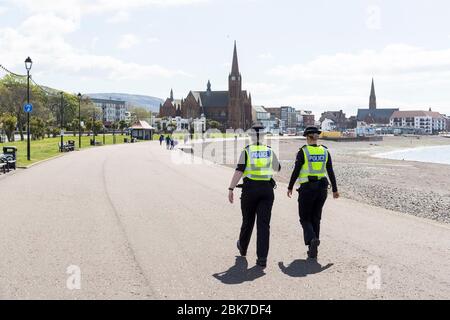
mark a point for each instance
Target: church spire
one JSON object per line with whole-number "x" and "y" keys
{"x": 208, "y": 86}
{"x": 373, "y": 98}
{"x": 235, "y": 66}
{"x": 171, "y": 94}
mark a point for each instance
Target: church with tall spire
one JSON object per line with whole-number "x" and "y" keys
{"x": 231, "y": 108}
{"x": 372, "y": 115}
{"x": 373, "y": 98}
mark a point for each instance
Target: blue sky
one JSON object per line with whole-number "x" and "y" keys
{"x": 317, "y": 55}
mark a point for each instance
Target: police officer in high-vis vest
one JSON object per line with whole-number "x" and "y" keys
{"x": 257, "y": 165}
{"x": 312, "y": 165}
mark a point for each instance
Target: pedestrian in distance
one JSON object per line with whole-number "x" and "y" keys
{"x": 312, "y": 165}
{"x": 257, "y": 165}
{"x": 168, "y": 142}
{"x": 161, "y": 139}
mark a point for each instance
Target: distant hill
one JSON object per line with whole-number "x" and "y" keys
{"x": 148, "y": 102}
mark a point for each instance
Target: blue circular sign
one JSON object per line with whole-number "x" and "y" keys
{"x": 28, "y": 107}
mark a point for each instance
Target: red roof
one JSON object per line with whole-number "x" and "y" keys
{"x": 141, "y": 125}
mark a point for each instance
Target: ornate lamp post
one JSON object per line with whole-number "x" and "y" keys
{"x": 62, "y": 120}
{"x": 79, "y": 120}
{"x": 28, "y": 64}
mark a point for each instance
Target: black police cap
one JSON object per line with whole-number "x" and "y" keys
{"x": 257, "y": 126}
{"x": 311, "y": 130}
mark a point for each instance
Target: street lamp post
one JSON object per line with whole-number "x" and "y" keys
{"x": 79, "y": 120}
{"x": 62, "y": 120}
{"x": 114, "y": 121}
{"x": 114, "y": 130}
{"x": 103, "y": 123}
{"x": 28, "y": 64}
{"x": 93, "y": 126}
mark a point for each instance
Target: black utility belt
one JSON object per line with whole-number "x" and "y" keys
{"x": 315, "y": 179}
{"x": 315, "y": 184}
{"x": 249, "y": 183}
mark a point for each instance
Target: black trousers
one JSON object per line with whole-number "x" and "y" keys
{"x": 256, "y": 204}
{"x": 311, "y": 198}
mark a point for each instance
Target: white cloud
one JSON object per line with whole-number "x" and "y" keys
{"x": 373, "y": 21}
{"x": 116, "y": 69}
{"x": 3, "y": 10}
{"x": 152, "y": 40}
{"x": 405, "y": 76}
{"x": 46, "y": 44}
{"x": 128, "y": 41}
{"x": 77, "y": 7}
{"x": 49, "y": 25}
{"x": 67, "y": 9}
{"x": 265, "y": 89}
{"x": 94, "y": 42}
{"x": 399, "y": 60}
{"x": 119, "y": 17}
{"x": 265, "y": 56}
{"x": 108, "y": 5}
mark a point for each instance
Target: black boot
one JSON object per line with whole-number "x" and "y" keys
{"x": 262, "y": 262}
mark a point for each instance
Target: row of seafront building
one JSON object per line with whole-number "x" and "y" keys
{"x": 367, "y": 121}
{"x": 375, "y": 120}
{"x": 113, "y": 111}
{"x": 290, "y": 120}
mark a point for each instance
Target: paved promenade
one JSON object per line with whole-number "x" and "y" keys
{"x": 142, "y": 227}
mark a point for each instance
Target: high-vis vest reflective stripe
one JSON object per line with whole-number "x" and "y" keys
{"x": 315, "y": 163}
{"x": 259, "y": 163}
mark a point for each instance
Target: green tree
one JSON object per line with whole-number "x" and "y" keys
{"x": 51, "y": 128}
{"x": 140, "y": 113}
{"x": 98, "y": 126}
{"x": 123, "y": 125}
{"x": 74, "y": 126}
{"x": 212, "y": 124}
{"x": 37, "y": 128}
{"x": 9, "y": 123}
{"x": 13, "y": 94}
{"x": 89, "y": 127}
{"x": 158, "y": 125}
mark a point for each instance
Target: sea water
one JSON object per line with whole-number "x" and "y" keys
{"x": 435, "y": 154}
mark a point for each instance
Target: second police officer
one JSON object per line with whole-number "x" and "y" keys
{"x": 257, "y": 164}
{"x": 312, "y": 165}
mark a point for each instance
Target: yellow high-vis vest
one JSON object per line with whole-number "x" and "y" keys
{"x": 316, "y": 158}
{"x": 259, "y": 163}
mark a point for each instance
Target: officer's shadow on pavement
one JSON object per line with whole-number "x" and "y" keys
{"x": 302, "y": 268}
{"x": 240, "y": 273}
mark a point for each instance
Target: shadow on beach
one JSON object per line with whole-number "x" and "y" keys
{"x": 239, "y": 273}
{"x": 302, "y": 268}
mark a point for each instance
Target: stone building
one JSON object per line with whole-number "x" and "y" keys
{"x": 232, "y": 108}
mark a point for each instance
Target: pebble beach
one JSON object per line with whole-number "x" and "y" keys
{"x": 411, "y": 187}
